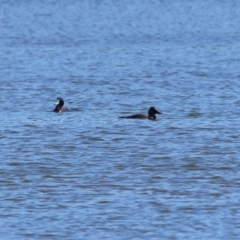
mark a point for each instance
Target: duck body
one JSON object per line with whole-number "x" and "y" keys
{"x": 59, "y": 106}
{"x": 151, "y": 114}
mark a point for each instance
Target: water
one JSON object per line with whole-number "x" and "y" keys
{"x": 86, "y": 174}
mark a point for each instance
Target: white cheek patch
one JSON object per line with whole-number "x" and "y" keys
{"x": 57, "y": 102}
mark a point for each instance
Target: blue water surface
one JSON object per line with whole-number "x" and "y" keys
{"x": 87, "y": 174}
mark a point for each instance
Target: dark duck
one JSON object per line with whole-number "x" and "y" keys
{"x": 151, "y": 114}
{"x": 59, "y": 106}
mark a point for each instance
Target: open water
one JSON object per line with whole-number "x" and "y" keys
{"x": 86, "y": 174}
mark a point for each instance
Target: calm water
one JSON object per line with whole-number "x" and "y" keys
{"x": 87, "y": 174}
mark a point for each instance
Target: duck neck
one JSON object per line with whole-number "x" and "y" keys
{"x": 152, "y": 116}
{"x": 58, "y": 108}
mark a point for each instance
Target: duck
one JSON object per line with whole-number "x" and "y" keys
{"x": 59, "y": 106}
{"x": 151, "y": 114}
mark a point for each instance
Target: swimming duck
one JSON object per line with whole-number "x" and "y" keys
{"x": 151, "y": 114}
{"x": 59, "y": 108}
